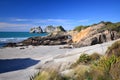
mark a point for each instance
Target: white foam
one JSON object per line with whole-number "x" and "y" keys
{"x": 7, "y": 40}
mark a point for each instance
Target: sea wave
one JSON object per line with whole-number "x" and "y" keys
{"x": 12, "y": 40}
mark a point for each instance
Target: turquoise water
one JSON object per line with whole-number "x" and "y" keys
{"x": 6, "y": 37}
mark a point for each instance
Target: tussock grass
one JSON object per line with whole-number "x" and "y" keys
{"x": 114, "y": 49}
{"x": 49, "y": 74}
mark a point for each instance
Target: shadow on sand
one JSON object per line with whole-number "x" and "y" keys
{"x": 7, "y": 65}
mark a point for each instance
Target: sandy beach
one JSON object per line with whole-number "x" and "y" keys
{"x": 20, "y": 64}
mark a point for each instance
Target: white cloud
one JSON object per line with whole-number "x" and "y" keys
{"x": 84, "y": 20}
{"x": 41, "y": 20}
{"x": 67, "y": 21}
{"x": 4, "y": 24}
{"x": 21, "y": 19}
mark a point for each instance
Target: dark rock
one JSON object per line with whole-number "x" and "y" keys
{"x": 94, "y": 41}
{"x": 46, "y": 40}
{"x": 11, "y": 45}
{"x": 66, "y": 47}
{"x": 22, "y": 48}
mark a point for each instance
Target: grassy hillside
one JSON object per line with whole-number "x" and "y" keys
{"x": 79, "y": 28}
{"x": 112, "y": 26}
{"x": 108, "y": 26}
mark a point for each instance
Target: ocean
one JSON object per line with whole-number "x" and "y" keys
{"x": 7, "y": 37}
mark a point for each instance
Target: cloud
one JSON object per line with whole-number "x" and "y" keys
{"x": 41, "y": 20}
{"x": 4, "y": 24}
{"x": 84, "y": 20}
{"x": 52, "y": 21}
{"x": 21, "y": 20}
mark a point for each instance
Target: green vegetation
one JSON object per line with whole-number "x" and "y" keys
{"x": 79, "y": 28}
{"x": 84, "y": 58}
{"x": 111, "y": 26}
{"x": 47, "y": 75}
{"x": 89, "y": 67}
{"x": 95, "y": 56}
{"x": 108, "y": 26}
{"x": 114, "y": 49}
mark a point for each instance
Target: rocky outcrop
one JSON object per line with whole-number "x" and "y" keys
{"x": 47, "y": 40}
{"x": 73, "y": 33}
{"x": 51, "y": 29}
{"x": 94, "y": 35}
{"x": 36, "y": 30}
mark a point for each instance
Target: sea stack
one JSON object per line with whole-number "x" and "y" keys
{"x": 51, "y": 29}
{"x": 36, "y": 30}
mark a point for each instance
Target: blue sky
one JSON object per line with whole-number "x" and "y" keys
{"x": 21, "y": 15}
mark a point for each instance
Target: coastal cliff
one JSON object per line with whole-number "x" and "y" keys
{"x": 91, "y": 35}
{"x": 96, "y": 34}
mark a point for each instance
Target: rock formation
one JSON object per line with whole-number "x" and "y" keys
{"x": 39, "y": 30}
{"x": 32, "y": 30}
{"x": 36, "y": 30}
{"x": 51, "y": 29}
{"x": 94, "y": 35}
{"x": 47, "y": 40}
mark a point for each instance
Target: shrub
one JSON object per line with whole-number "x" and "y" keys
{"x": 111, "y": 26}
{"x": 79, "y": 28}
{"x": 84, "y": 58}
{"x": 95, "y": 56}
{"x": 80, "y": 72}
{"x": 47, "y": 75}
{"x": 114, "y": 49}
{"x": 102, "y": 68}
{"x": 115, "y": 71}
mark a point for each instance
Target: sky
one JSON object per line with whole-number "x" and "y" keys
{"x": 21, "y": 15}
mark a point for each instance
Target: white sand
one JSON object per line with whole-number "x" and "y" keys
{"x": 52, "y": 54}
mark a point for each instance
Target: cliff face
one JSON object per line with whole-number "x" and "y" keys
{"x": 36, "y": 30}
{"x": 94, "y": 35}
{"x": 82, "y": 34}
